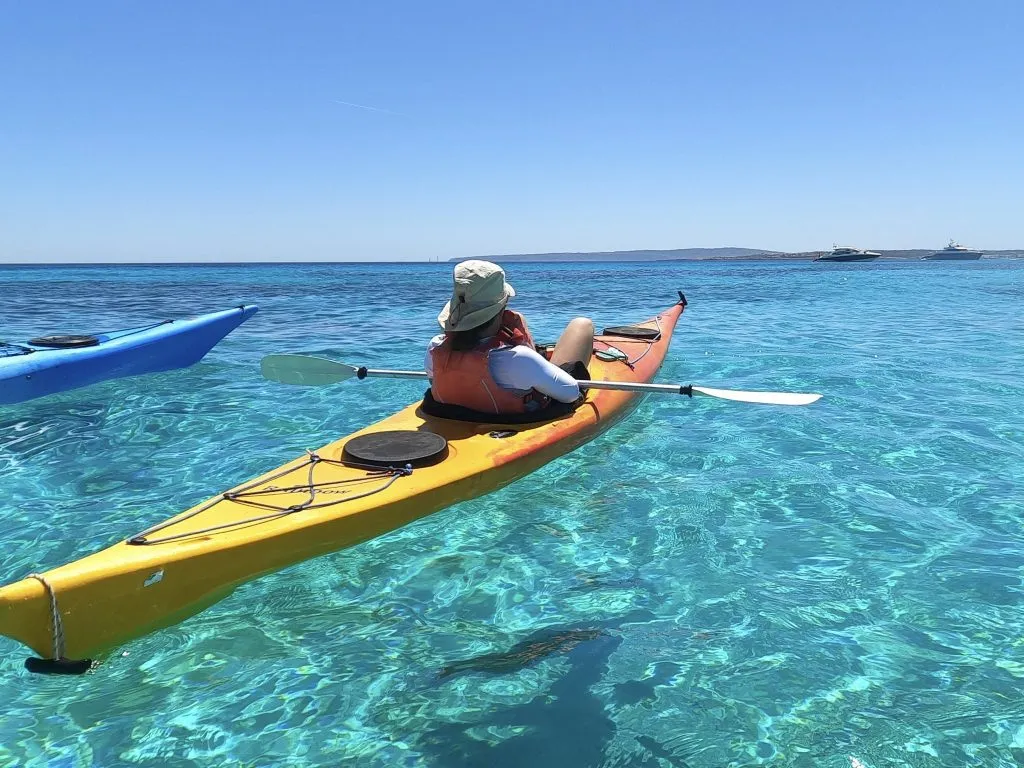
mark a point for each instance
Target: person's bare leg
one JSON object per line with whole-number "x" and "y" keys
{"x": 576, "y": 343}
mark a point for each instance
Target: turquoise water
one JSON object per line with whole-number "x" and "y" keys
{"x": 709, "y": 584}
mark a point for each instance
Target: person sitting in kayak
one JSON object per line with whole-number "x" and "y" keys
{"x": 486, "y": 359}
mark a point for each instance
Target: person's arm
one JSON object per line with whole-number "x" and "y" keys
{"x": 428, "y": 361}
{"x": 523, "y": 368}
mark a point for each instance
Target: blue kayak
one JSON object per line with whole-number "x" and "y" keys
{"x": 52, "y": 364}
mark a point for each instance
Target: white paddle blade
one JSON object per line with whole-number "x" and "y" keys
{"x": 304, "y": 370}
{"x": 765, "y": 398}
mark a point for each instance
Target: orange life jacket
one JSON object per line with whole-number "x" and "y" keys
{"x": 463, "y": 377}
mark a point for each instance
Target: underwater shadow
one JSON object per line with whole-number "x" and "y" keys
{"x": 568, "y": 726}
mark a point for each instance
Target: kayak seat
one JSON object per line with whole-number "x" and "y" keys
{"x": 65, "y": 342}
{"x": 556, "y": 410}
{"x": 396, "y": 448}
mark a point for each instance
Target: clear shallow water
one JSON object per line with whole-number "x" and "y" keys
{"x": 709, "y": 584}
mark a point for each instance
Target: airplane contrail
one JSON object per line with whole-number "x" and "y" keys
{"x": 364, "y": 106}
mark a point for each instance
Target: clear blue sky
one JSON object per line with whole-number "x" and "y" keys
{"x": 214, "y": 130}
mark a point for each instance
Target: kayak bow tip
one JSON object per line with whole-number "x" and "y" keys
{"x": 25, "y": 615}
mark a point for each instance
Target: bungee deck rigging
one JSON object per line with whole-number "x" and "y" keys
{"x": 247, "y": 495}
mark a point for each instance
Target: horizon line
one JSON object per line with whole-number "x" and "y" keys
{"x": 538, "y": 256}
{"x": 794, "y": 256}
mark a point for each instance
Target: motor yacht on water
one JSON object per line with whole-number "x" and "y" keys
{"x": 847, "y": 253}
{"x": 954, "y": 252}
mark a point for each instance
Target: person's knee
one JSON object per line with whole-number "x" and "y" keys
{"x": 582, "y": 324}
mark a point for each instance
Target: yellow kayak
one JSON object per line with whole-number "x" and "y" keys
{"x": 328, "y": 500}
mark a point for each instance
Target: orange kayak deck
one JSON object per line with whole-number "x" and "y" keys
{"x": 309, "y": 507}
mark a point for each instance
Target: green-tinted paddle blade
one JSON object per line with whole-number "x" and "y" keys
{"x": 767, "y": 398}
{"x": 304, "y": 370}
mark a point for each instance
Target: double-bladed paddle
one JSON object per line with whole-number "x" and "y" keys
{"x": 308, "y": 371}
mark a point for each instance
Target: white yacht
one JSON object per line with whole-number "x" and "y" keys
{"x": 847, "y": 253}
{"x": 954, "y": 252}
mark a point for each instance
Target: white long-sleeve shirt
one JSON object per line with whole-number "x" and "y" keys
{"x": 521, "y": 368}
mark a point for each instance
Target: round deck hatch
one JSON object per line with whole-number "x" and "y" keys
{"x": 65, "y": 342}
{"x": 397, "y": 448}
{"x": 632, "y": 332}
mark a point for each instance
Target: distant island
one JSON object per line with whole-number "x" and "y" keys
{"x": 709, "y": 254}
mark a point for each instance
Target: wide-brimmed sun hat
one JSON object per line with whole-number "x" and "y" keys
{"x": 479, "y": 293}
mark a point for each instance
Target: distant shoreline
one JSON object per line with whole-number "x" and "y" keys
{"x": 714, "y": 254}
{"x": 596, "y": 257}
